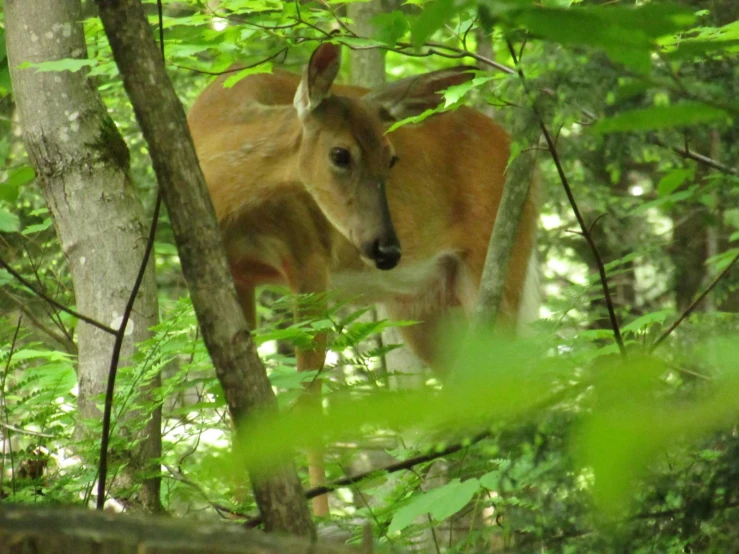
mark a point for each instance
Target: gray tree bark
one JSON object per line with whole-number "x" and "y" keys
{"x": 367, "y": 67}
{"x": 82, "y": 164}
{"x": 238, "y": 367}
{"x": 519, "y": 176}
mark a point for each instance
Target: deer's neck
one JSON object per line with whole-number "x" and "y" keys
{"x": 256, "y": 158}
{"x": 272, "y": 144}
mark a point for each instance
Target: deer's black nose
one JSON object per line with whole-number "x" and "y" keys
{"x": 386, "y": 253}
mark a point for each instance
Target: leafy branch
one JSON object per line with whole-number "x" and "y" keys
{"x": 689, "y": 310}
{"x": 584, "y": 228}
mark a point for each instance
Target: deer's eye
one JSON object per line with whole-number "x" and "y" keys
{"x": 341, "y": 157}
{"x": 393, "y": 161}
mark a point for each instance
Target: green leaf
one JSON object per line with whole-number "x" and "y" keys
{"x": 673, "y": 180}
{"x": 701, "y": 48}
{"x": 66, "y": 64}
{"x": 491, "y": 480}
{"x": 666, "y": 201}
{"x": 721, "y": 261}
{"x": 452, "y": 497}
{"x": 288, "y": 378}
{"x": 455, "y": 93}
{"x": 660, "y": 117}
{"x": 556, "y": 3}
{"x": 494, "y": 378}
{"x": 626, "y": 34}
{"x": 261, "y": 68}
{"x": 441, "y": 503}
{"x": 9, "y": 223}
{"x": 5, "y": 85}
{"x": 390, "y": 27}
{"x": 516, "y": 149}
{"x": 416, "y": 118}
{"x": 18, "y": 177}
{"x": 646, "y": 320}
{"x": 434, "y": 16}
{"x": 21, "y": 175}
{"x": 38, "y": 227}
{"x": 185, "y": 50}
{"x": 619, "y": 441}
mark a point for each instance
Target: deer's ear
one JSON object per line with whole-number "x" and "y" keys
{"x": 414, "y": 95}
{"x": 318, "y": 76}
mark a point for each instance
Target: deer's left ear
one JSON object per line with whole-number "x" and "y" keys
{"x": 318, "y": 76}
{"x": 414, "y": 95}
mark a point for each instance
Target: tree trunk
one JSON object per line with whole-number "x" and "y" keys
{"x": 367, "y": 67}
{"x": 240, "y": 372}
{"x": 82, "y": 164}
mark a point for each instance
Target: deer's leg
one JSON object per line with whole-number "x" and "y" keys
{"x": 248, "y": 301}
{"x": 313, "y": 279}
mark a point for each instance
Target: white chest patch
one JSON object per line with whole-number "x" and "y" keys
{"x": 413, "y": 280}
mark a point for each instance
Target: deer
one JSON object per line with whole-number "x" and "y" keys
{"x": 311, "y": 192}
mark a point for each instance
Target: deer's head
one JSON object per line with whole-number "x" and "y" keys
{"x": 345, "y": 156}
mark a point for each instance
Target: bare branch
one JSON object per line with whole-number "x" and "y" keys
{"x": 68, "y": 344}
{"x": 18, "y": 277}
{"x": 571, "y": 198}
{"x": 120, "y": 335}
{"x": 693, "y": 305}
{"x": 700, "y": 158}
{"x": 13, "y": 342}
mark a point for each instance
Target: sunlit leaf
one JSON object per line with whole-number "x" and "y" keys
{"x": 236, "y": 77}
{"x": 9, "y": 223}
{"x": 441, "y": 502}
{"x": 660, "y": 117}
{"x": 434, "y": 15}
{"x": 673, "y": 180}
{"x": 390, "y": 27}
{"x": 647, "y": 320}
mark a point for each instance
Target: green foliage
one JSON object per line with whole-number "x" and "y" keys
{"x": 660, "y": 117}
{"x": 440, "y": 503}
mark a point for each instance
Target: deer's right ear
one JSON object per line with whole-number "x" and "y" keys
{"x": 318, "y": 76}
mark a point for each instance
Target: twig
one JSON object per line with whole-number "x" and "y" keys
{"x": 409, "y": 464}
{"x": 391, "y": 468}
{"x": 700, "y": 158}
{"x": 220, "y": 508}
{"x": 25, "y": 283}
{"x": 54, "y": 315}
{"x": 283, "y": 50}
{"x": 120, "y": 334}
{"x": 575, "y": 209}
{"x": 5, "y": 406}
{"x": 398, "y": 466}
{"x": 693, "y": 305}
{"x": 20, "y": 431}
{"x": 69, "y": 345}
